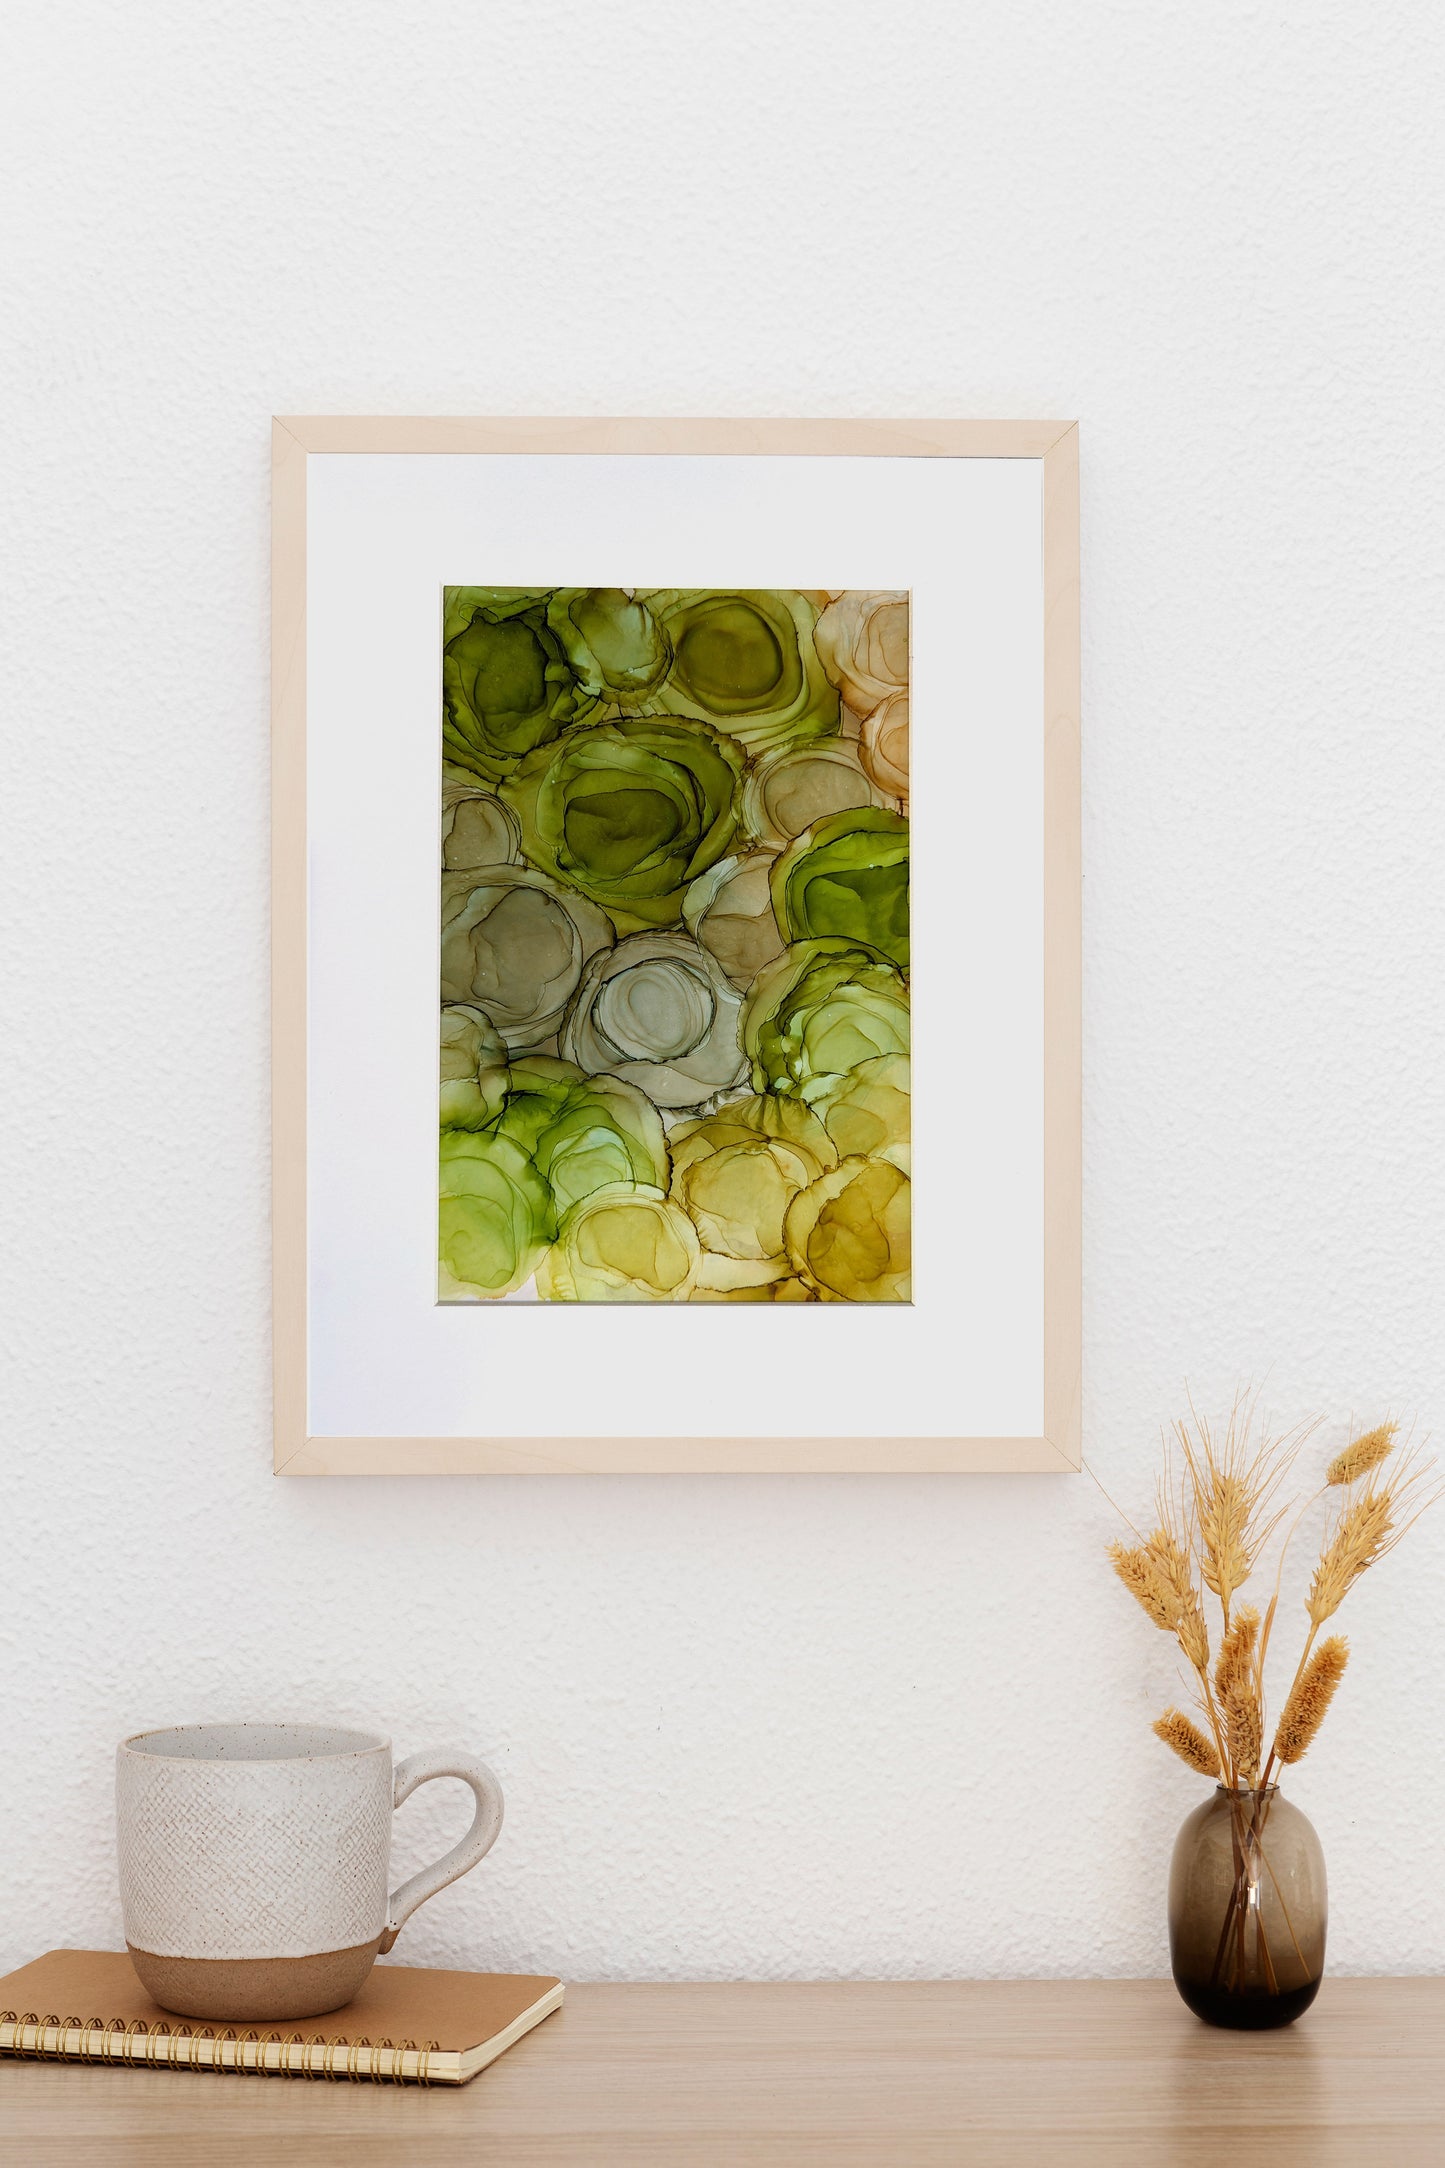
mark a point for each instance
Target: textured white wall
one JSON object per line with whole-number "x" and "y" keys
{"x": 746, "y": 1727}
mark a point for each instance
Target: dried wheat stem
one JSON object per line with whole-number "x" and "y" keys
{"x": 1141, "y": 1576}
{"x": 1232, "y": 1481}
{"x": 1224, "y": 1515}
{"x": 1366, "y": 1452}
{"x": 1171, "y": 1564}
{"x": 1246, "y": 1734}
{"x": 1236, "y": 1650}
{"x": 1157, "y": 1576}
{"x": 1188, "y": 1742}
{"x": 1304, "y": 1712}
{"x": 1361, "y": 1537}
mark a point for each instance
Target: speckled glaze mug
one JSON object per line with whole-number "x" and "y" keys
{"x": 254, "y": 1861}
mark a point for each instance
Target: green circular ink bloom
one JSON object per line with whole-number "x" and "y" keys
{"x": 495, "y": 1218}
{"x": 507, "y": 683}
{"x": 746, "y": 662}
{"x": 615, "y": 645}
{"x": 846, "y": 878}
{"x": 629, "y": 812}
{"x": 819, "y": 1012}
{"x": 582, "y": 1133}
{"x": 622, "y": 1246}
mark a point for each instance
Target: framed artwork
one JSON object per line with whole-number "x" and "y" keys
{"x": 627, "y": 777}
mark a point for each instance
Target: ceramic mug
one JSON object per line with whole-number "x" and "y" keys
{"x": 254, "y": 1861}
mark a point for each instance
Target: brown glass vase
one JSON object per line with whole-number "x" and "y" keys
{"x": 1247, "y": 1910}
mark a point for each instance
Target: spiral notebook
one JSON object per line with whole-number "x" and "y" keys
{"x": 407, "y": 2025}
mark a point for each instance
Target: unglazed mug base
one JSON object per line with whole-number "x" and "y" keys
{"x": 254, "y": 1862}
{"x": 254, "y": 1989}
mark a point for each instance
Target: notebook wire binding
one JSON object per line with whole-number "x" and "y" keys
{"x": 163, "y": 2046}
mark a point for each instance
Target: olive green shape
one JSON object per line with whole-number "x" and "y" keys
{"x": 745, "y": 661}
{"x": 868, "y": 1112}
{"x": 622, "y": 1245}
{"x": 507, "y": 683}
{"x": 729, "y": 911}
{"x": 514, "y": 944}
{"x": 629, "y": 812}
{"x": 473, "y": 1068}
{"x": 790, "y": 792}
{"x": 460, "y": 604}
{"x": 846, "y": 878}
{"x": 735, "y": 1173}
{"x": 820, "y": 1011}
{"x": 617, "y": 648}
{"x": 537, "y": 1090}
{"x": 582, "y": 1133}
{"x": 850, "y": 1235}
{"x": 787, "y": 1289}
{"x": 495, "y": 1218}
{"x": 477, "y": 829}
{"x": 660, "y": 1012}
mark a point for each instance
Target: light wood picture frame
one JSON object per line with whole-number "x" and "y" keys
{"x": 302, "y": 1448}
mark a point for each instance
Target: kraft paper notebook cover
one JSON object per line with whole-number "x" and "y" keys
{"x": 437, "y": 2028}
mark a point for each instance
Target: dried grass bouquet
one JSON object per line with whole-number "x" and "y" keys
{"x": 1247, "y": 1903}
{"x": 1218, "y": 1507}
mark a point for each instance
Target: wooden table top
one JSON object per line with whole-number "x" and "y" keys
{"x": 1064, "y": 2074}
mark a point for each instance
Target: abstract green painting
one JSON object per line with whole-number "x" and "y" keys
{"x": 674, "y": 945}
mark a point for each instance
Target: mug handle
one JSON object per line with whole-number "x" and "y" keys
{"x": 478, "y": 1841}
